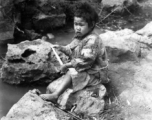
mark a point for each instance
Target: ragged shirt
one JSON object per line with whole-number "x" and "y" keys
{"x": 87, "y": 54}
{"x": 89, "y": 58}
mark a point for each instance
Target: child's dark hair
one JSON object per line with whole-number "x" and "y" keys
{"x": 88, "y": 13}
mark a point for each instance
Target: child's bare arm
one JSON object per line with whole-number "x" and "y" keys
{"x": 68, "y": 48}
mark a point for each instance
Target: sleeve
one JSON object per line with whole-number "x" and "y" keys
{"x": 87, "y": 56}
{"x": 102, "y": 56}
{"x": 103, "y": 51}
{"x": 68, "y": 48}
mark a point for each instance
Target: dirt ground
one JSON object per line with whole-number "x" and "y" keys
{"x": 129, "y": 92}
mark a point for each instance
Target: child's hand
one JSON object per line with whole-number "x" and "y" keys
{"x": 64, "y": 68}
{"x": 55, "y": 46}
{"x": 59, "y": 47}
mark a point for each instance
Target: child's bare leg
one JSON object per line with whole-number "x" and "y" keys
{"x": 61, "y": 88}
{"x": 48, "y": 91}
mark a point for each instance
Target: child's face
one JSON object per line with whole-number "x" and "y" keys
{"x": 80, "y": 26}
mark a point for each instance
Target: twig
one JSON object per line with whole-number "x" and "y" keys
{"x": 3, "y": 58}
{"x": 69, "y": 113}
{"x": 109, "y": 101}
{"x": 98, "y": 26}
{"x": 57, "y": 56}
{"x": 115, "y": 97}
{"x": 72, "y": 70}
{"x": 108, "y": 14}
{"x": 101, "y": 8}
{"x": 128, "y": 10}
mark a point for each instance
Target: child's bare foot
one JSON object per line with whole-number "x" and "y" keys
{"x": 49, "y": 97}
{"x": 36, "y": 91}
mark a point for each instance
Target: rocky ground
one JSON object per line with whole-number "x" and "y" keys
{"x": 129, "y": 94}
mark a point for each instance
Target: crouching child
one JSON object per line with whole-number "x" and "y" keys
{"x": 87, "y": 55}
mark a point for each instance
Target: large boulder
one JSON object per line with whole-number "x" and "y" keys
{"x": 52, "y": 14}
{"x": 88, "y": 102}
{"x": 145, "y": 38}
{"x": 30, "y": 61}
{"x": 35, "y": 18}
{"x": 120, "y": 43}
{"x": 32, "y": 107}
{"x": 127, "y": 44}
{"x": 146, "y": 32}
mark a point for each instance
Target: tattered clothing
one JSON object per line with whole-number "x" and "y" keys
{"x": 89, "y": 58}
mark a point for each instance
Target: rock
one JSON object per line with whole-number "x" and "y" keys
{"x": 37, "y": 18}
{"x": 88, "y": 102}
{"x": 145, "y": 38}
{"x": 6, "y": 23}
{"x": 119, "y": 6}
{"x": 49, "y": 21}
{"x": 120, "y": 43}
{"x": 145, "y": 31}
{"x": 31, "y": 61}
{"x": 6, "y": 8}
{"x": 50, "y": 36}
{"x": 32, "y": 107}
{"x": 146, "y": 34}
{"x": 95, "y": 94}
{"x": 6, "y": 32}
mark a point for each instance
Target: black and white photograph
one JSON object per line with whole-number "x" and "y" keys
{"x": 75, "y": 59}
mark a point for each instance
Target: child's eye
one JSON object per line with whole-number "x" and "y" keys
{"x": 75, "y": 23}
{"x": 81, "y": 24}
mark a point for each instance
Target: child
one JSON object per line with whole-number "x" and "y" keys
{"x": 87, "y": 53}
